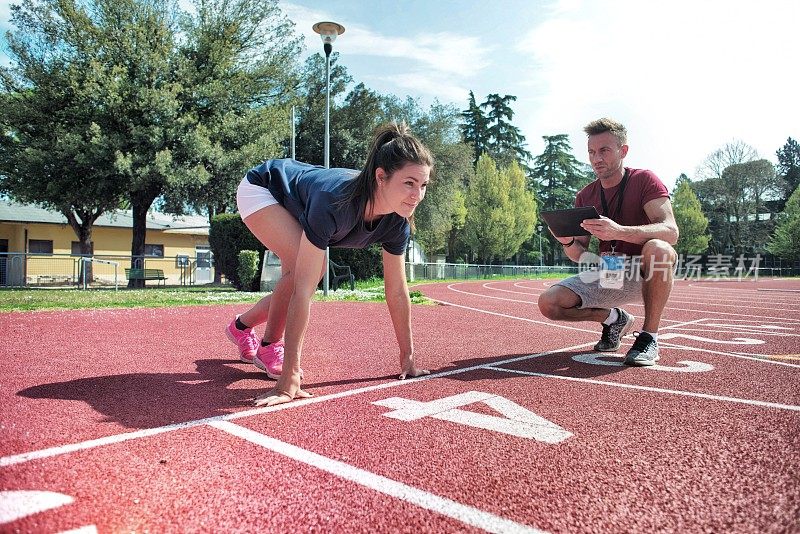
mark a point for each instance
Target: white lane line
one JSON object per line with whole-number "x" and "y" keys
{"x": 547, "y": 323}
{"x": 676, "y": 346}
{"x": 92, "y": 443}
{"x": 672, "y": 345}
{"x": 490, "y": 288}
{"x": 775, "y": 289}
{"x": 682, "y": 324}
{"x": 429, "y": 501}
{"x": 16, "y": 504}
{"x": 751, "y": 402}
{"x": 119, "y": 438}
{"x": 639, "y": 305}
{"x": 482, "y": 295}
{"x": 739, "y": 330}
{"x": 677, "y": 325}
{"x": 677, "y": 295}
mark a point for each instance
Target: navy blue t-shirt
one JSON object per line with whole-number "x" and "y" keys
{"x": 314, "y": 196}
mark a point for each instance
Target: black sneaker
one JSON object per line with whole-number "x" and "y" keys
{"x": 613, "y": 333}
{"x": 644, "y": 351}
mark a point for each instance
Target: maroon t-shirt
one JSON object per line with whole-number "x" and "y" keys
{"x": 642, "y": 187}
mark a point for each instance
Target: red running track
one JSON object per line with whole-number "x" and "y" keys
{"x": 141, "y": 420}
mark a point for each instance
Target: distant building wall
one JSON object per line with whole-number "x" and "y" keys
{"x": 62, "y": 265}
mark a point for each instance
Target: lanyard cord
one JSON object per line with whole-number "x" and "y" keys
{"x": 606, "y": 211}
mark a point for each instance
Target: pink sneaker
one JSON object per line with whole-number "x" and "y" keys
{"x": 246, "y": 340}
{"x": 270, "y": 359}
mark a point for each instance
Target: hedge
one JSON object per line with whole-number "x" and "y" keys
{"x": 227, "y": 236}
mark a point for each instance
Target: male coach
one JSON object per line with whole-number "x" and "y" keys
{"x": 637, "y": 231}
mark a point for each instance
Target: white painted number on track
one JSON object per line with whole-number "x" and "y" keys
{"x": 516, "y": 420}
{"x": 22, "y": 503}
{"x": 686, "y": 366}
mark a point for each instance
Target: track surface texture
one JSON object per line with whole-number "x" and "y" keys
{"x": 141, "y": 420}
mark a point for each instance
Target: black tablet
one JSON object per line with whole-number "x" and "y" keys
{"x": 567, "y": 223}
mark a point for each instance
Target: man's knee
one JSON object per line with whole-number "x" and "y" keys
{"x": 555, "y": 299}
{"x": 658, "y": 261}
{"x": 547, "y": 304}
{"x": 658, "y": 251}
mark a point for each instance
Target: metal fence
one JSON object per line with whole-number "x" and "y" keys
{"x": 688, "y": 267}
{"x": 447, "y": 271}
{"x": 65, "y": 270}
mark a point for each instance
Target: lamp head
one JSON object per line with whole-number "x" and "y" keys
{"x": 328, "y": 31}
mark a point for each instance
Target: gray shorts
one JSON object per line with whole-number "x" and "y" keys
{"x": 594, "y": 296}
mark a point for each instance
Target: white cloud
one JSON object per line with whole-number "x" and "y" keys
{"x": 442, "y": 51}
{"x": 429, "y": 63}
{"x": 416, "y": 83}
{"x": 686, "y": 76}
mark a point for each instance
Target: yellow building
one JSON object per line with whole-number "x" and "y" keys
{"x": 38, "y": 247}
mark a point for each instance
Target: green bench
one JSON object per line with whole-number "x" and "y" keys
{"x": 146, "y": 274}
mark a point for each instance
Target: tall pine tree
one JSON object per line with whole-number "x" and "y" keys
{"x": 475, "y": 128}
{"x": 506, "y": 142}
{"x": 492, "y": 133}
{"x": 557, "y": 176}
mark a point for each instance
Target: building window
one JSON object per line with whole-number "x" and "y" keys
{"x": 155, "y": 251}
{"x": 40, "y": 246}
{"x": 76, "y": 248}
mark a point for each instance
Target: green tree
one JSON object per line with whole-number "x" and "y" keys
{"x": 692, "y": 223}
{"x": 238, "y": 83}
{"x": 54, "y": 148}
{"x": 501, "y": 212}
{"x": 789, "y": 167}
{"x": 438, "y": 129}
{"x": 458, "y": 218}
{"x": 557, "y": 176}
{"x": 505, "y": 143}
{"x": 310, "y": 143}
{"x": 474, "y": 128}
{"x": 737, "y": 205}
{"x": 355, "y": 122}
{"x": 525, "y": 210}
{"x": 714, "y": 194}
{"x": 785, "y": 241}
{"x": 134, "y": 56}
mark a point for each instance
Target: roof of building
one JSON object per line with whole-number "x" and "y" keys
{"x": 15, "y": 212}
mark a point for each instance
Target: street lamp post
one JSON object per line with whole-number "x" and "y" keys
{"x": 292, "y": 125}
{"x": 328, "y": 32}
{"x": 541, "y": 259}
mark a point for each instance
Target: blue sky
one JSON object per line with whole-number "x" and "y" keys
{"x": 685, "y": 76}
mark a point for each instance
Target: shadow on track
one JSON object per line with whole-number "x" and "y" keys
{"x": 148, "y": 400}
{"x": 557, "y": 363}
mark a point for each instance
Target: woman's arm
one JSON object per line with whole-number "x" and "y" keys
{"x": 307, "y": 269}
{"x": 394, "y": 279}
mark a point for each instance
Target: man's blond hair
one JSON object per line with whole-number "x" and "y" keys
{"x": 608, "y": 125}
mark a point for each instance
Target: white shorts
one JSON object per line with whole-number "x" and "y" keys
{"x": 251, "y": 198}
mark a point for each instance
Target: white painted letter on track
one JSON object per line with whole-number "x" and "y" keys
{"x": 516, "y": 420}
